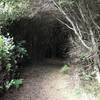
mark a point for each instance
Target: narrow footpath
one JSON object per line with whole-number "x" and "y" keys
{"x": 46, "y": 82}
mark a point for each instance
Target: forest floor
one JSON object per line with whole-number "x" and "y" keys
{"x": 46, "y": 82}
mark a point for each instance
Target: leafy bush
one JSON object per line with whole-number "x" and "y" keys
{"x": 12, "y": 9}
{"x": 10, "y": 53}
{"x": 9, "y": 56}
{"x": 14, "y": 82}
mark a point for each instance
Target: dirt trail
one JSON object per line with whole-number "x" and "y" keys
{"x": 45, "y": 82}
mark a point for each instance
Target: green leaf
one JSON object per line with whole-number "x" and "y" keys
{"x": 17, "y": 82}
{"x": 1, "y": 41}
{"x": 65, "y": 68}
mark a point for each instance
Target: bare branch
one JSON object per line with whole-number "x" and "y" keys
{"x": 73, "y": 25}
{"x": 64, "y": 23}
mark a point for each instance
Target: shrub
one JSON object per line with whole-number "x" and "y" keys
{"x": 12, "y": 9}
{"x": 9, "y": 56}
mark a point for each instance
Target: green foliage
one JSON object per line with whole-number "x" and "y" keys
{"x": 87, "y": 71}
{"x": 6, "y": 49}
{"x": 65, "y": 69}
{"x": 98, "y": 97}
{"x": 78, "y": 92}
{"x": 17, "y": 82}
{"x": 14, "y": 82}
{"x": 12, "y": 9}
{"x": 92, "y": 88}
{"x": 1, "y": 41}
{"x": 9, "y": 56}
{"x": 20, "y": 51}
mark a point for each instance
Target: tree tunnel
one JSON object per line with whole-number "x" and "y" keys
{"x": 45, "y": 36}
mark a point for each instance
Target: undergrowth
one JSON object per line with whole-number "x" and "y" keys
{"x": 10, "y": 54}
{"x": 65, "y": 69}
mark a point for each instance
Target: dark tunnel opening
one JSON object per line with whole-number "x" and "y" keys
{"x": 45, "y": 37}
